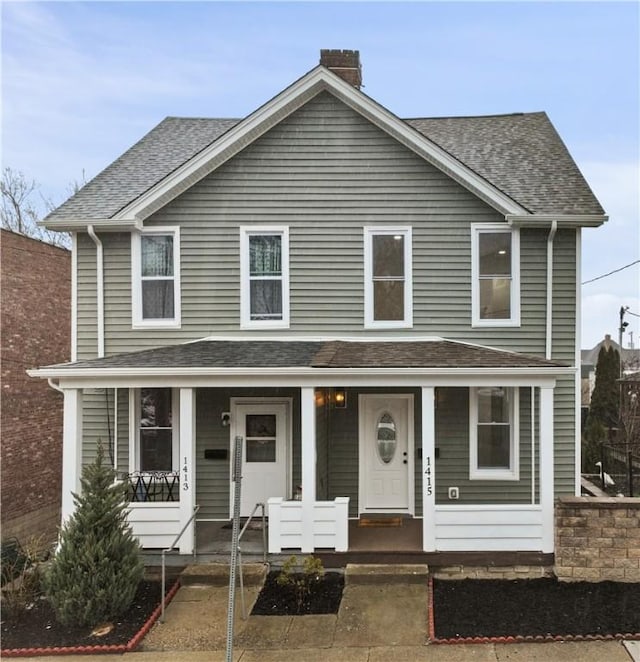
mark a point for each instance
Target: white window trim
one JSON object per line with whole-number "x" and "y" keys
{"x": 369, "y": 321}
{"x": 514, "y": 319}
{"x": 245, "y": 291}
{"x": 513, "y": 472}
{"x": 138, "y": 322}
{"x": 134, "y": 429}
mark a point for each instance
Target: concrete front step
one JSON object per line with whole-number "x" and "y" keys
{"x": 217, "y": 574}
{"x": 360, "y": 573}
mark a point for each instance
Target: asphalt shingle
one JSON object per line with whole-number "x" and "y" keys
{"x": 263, "y": 354}
{"x": 521, "y": 154}
{"x": 161, "y": 151}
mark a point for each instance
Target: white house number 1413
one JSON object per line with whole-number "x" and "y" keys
{"x": 185, "y": 475}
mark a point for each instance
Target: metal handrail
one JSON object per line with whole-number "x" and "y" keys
{"x": 264, "y": 550}
{"x": 171, "y": 548}
{"x": 264, "y": 529}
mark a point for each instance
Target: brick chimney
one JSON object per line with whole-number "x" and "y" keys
{"x": 345, "y": 64}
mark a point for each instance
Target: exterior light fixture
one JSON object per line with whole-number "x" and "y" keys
{"x": 340, "y": 398}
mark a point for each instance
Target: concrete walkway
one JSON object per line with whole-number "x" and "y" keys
{"x": 375, "y": 623}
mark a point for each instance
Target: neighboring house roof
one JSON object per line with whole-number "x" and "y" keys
{"x": 269, "y": 354}
{"x": 630, "y": 357}
{"x": 521, "y": 156}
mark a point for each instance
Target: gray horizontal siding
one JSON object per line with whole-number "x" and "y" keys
{"x": 452, "y": 464}
{"x": 99, "y": 425}
{"x": 326, "y": 180}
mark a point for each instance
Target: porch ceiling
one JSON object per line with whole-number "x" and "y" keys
{"x": 305, "y": 356}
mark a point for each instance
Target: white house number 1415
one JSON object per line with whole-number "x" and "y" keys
{"x": 427, "y": 481}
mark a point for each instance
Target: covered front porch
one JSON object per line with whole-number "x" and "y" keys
{"x": 406, "y": 442}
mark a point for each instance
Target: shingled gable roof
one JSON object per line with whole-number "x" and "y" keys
{"x": 517, "y": 163}
{"x": 266, "y": 355}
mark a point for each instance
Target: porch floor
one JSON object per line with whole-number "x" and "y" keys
{"x": 370, "y": 544}
{"x": 215, "y": 538}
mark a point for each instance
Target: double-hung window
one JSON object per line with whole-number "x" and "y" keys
{"x": 495, "y": 257}
{"x": 156, "y": 430}
{"x": 388, "y": 301}
{"x": 264, "y": 269}
{"x": 155, "y": 260}
{"x": 493, "y": 423}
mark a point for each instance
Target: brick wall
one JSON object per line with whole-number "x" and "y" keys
{"x": 35, "y": 314}
{"x": 598, "y": 539}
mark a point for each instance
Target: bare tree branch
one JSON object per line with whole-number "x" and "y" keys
{"x": 19, "y": 212}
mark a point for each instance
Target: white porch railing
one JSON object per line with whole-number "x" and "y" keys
{"x": 330, "y": 528}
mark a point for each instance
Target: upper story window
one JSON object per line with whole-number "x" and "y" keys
{"x": 155, "y": 260}
{"x": 388, "y": 301}
{"x": 264, "y": 269}
{"x": 493, "y": 423}
{"x": 495, "y": 256}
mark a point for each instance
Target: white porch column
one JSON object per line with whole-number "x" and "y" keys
{"x": 71, "y": 449}
{"x": 187, "y": 469}
{"x": 546, "y": 468}
{"x": 308, "y": 428}
{"x": 428, "y": 465}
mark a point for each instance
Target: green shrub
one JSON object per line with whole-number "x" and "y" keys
{"x": 97, "y": 569}
{"x": 301, "y": 580}
{"x": 22, "y": 574}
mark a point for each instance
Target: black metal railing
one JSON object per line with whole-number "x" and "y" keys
{"x": 152, "y": 486}
{"x": 620, "y": 471}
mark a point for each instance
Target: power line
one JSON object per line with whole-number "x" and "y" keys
{"x": 631, "y": 313}
{"x": 615, "y": 271}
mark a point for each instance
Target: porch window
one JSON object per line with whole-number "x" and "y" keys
{"x": 494, "y": 449}
{"x": 264, "y": 266}
{"x": 153, "y": 445}
{"x": 156, "y": 277}
{"x": 496, "y": 282}
{"x": 388, "y": 278}
{"x": 156, "y": 448}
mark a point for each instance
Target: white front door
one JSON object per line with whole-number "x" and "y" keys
{"x": 264, "y": 427}
{"x": 386, "y": 453}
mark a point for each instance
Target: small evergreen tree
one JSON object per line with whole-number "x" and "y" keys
{"x": 96, "y": 572}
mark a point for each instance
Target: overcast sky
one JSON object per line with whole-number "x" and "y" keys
{"x": 83, "y": 81}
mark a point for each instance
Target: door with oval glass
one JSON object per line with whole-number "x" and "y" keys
{"x": 386, "y": 453}
{"x": 265, "y": 429}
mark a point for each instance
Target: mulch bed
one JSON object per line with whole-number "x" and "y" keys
{"x": 37, "y": 628}
{"x": 323, "y": 598}
{"x": 476, "y": 608}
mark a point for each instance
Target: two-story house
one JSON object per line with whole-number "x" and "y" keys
{"x": 384, "y": 311}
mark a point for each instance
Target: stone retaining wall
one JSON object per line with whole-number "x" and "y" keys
{"x": 598, "y": 539}
{"x": 492, "y": 572}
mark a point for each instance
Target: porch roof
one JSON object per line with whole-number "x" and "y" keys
{"x": 310, "y": 354}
